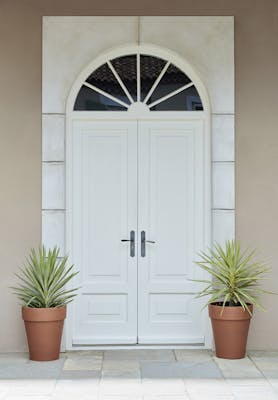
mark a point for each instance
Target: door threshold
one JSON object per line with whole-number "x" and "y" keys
{"x": 197, "y": 346}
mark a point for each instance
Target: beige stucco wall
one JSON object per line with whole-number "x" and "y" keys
{"x": 256, "y": 61}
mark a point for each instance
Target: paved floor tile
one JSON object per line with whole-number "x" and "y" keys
{"x": 182, "y": 397}
{"x": 273, "y": 383}
{"x": 267, "y": 363}
{"x": 163, "y": 387}
{"x": 207, "y": 369}
{"x": 114, "y": 386}
{"x": 71, "y": 375}
{"x": 204, "y": 396}
{"x": 263, "y": 354}
{"x": 83, "y": 360}
{"x": 140, "y": 355}
{"x": 242, "y": 368}
{"x": 3, "y": 394}
{"x": 193, "y": 355}
{"x": 254, "y": 393}
{"x": 207, "y": 387}
{"x": 140, "y": 375}
{"x": 121, "y": 375}
{"x": 15, "y": 358}
{"x": 21, "y": 397}
{"x": 255, "y": 382}
{"x": 121, "y": 369}
{"x": 69, "y": 396}
{"x": 111, "y": 397}
{"x": 76, "y": 387}
{"x": 30, "y": 387}
{"x": 31, "y": 370}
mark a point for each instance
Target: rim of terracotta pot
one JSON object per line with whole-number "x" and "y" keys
{"x": 44, "y": 314}
{"x": 230, "y": 312}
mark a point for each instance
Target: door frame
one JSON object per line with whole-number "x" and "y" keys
{"x": 71, "y": 116}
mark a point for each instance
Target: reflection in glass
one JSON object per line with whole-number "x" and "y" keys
{"x": 104, "y": 79}
{"x": 118, "y": 79}
{"x": 127, "y": 70}
{"x": 89, "y": 100}
{"x": 187, "y": 100}
{"x": 172, "y": 80}
{"x": 150, "y": 68}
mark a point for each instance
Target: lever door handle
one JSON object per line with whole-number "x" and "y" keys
{"x": 143, "y": 243}
{"x": 132, "y": 243}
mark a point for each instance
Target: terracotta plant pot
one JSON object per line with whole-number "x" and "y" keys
{"x": 230, "y": 330}
{"x": 44, "y": 327}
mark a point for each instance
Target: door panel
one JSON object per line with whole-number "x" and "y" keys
{"x": 166, "y": 202}
{"x": 171, "y": 204}
{"x": 104, "y": 212}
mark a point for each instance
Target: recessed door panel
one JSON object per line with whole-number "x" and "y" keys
{"x": 170, "y": 211}
{"x": 105, "y": 211}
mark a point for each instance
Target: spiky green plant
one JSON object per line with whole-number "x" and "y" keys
{"x": 236, "y": 276}
{"x": 43, "y": 279}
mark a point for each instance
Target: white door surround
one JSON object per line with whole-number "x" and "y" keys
{"x": 175, "y": 324}
{"x": 213, "y": 65}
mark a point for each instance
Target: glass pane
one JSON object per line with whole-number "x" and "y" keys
{"x": 89, "y": 100}
{"x": 187, "y": 100}
{"x": 127, "y": 71}
{"x": 104, "y": 79}
{"x": 150, "y": 68}
{"x": 173, "y": 79}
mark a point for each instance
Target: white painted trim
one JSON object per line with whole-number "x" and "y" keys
{"x": 208, "y": 217}
{"x": 141, "y": 346}
{"x": 120, "y": 81}
{"x": 147, "y": 116}
{"x": 102, "y": 341}
{"x": 165, "y": 115}
{"x": 109, "y": 96}
{"x": 150, "y": 49}
{"x": 138, "y": 73}
{"x": 169, "y": 95}
{"x": 158, "y": 79}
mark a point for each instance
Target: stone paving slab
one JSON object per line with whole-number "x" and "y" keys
{"x": 112, "y": 397}
{"x": 80, "y": 374}
{"x": 140, "y": 355}
{"x": 257, "y": 393}
{"x": 205, "y": 396}
{"x": 243, "y": 368}
{"x": 21, "y": 397}
{"x": 120, "y": 366}
{"x": 207, "y": 387}
{"x": 140, "y": 375}
{"x": 182, "y": 397}
{"x": 128, "y": 387}
{"x": 267, "y": 363}
{"x": 68, "y": 396}
{"x": 28, "y": 387}
{"x": 163, "y": 387}
{"x": 76, "y": 388}
{"x": 193, "y": 356}
{"x": 207, "y": 369}
{"x": 31, "y": 370}
{"x": 83, "y": 360}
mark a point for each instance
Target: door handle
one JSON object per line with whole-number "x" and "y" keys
{"x": 132, "y": 243}
{"x": 143, "y": 243}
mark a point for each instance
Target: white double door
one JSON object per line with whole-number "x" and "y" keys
{"x": 141, "y": 181}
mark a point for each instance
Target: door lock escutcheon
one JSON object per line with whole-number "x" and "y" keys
{"x": 132, "y": 243}
{"x": 143, "y": 243}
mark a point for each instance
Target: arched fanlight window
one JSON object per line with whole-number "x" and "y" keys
{"x": 138, "y": 78}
